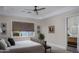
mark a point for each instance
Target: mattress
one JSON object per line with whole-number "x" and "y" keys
{"x": 26, "y": 46}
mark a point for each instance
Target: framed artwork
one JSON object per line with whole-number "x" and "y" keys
{"x": 51, "y": 29}
{"x": 4, "y": 28}
{"x": 38, "y": 29}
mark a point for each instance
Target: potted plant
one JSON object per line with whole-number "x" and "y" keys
{"x": 41, "y": 37}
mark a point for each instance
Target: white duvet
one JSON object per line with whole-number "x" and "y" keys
{"x": 25, "y": 43}
{"x": 26, "y": 46}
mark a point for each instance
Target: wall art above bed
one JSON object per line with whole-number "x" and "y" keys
{"x": 4, "y": 28}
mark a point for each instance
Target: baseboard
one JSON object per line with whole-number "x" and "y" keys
{"x": 61, "y": 47}
{"x": 78, "y": 48}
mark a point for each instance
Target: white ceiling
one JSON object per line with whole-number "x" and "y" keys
{"x": 49, "y": 11}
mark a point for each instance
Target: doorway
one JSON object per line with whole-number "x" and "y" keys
{"x": 72, "y": 30}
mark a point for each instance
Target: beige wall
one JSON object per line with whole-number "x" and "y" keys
{"x": 59, "y": 38}
{"x": 8, "y": 20}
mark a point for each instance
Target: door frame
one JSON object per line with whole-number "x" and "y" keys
{"x": 66, "y": 32}
{"x": 66, "y": 26}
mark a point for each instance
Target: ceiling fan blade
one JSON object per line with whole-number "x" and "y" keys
{"x": 41, "y": 9}
{"x": 28, "y": 9}
{"x": 29, "y": 12}
{"x": 37, "y": 12}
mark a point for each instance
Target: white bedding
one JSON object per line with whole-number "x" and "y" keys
{"x": 23, "y": 44}
{"x": 26, "y": 46}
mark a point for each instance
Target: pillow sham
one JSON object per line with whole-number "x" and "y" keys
{"x": 3, "y": 44}
{"x": 8, "y": 44}
{"x": 11, "y": 41}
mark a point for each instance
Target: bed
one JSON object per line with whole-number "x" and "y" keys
{"x": 26, "y": 46}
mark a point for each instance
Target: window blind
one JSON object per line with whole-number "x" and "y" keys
{"x": 22, "y": 26}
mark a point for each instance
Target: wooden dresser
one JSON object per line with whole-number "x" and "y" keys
{"x": 72, "y": 41}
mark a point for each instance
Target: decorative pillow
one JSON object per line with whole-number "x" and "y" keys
{"x": 11, "y": 41}
{"x": 8, "y": 44}
{"x": 3, "y": 44}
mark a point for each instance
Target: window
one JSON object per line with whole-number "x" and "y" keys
{"x": 28, "y": 34}
{"x": 21, "y": 29}
{"x": 23, "y": 34}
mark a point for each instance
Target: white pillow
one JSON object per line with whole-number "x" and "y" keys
{"x": 8, "y": 44}
{"x": 3, "y": 44}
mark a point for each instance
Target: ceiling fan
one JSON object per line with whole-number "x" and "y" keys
{"x": 36, "y": 9}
